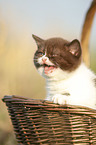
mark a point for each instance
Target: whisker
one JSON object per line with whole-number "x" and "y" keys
{"x": 35, "y": 59}
{"x": 36, "y": 56}
{"x": 56, "y": 64}
{"x": 36, "y": 62}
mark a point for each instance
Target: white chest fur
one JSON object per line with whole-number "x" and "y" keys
{"x": 79, "y": 84}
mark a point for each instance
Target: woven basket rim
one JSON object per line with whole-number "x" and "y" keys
{"x": 47, "y": 105}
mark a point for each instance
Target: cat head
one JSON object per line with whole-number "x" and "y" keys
{"x": 56, "y": 54}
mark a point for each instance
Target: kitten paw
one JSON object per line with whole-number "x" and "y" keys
{"x": 60, "y": 99}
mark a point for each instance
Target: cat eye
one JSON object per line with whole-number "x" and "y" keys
{"x": 40, "y": 53}
{"x": 54, "y": 55}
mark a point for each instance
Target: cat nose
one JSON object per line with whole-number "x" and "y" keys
{"x": 44, "y": 60}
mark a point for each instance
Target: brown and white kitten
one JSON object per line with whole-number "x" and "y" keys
{"x": 68, "y": 80}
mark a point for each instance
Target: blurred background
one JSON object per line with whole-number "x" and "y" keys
{"x": 19, "y": 19}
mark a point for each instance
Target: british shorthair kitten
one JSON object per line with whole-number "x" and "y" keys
{"x": 68, "y": 80}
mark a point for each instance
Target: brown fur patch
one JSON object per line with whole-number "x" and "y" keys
{"x": 65, "y": 55}
{"x": 59, "y": 53}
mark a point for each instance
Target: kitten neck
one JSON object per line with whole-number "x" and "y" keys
{"x": 60, "y": 75}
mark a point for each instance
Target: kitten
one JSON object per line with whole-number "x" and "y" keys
{"x": 68, "y": 80}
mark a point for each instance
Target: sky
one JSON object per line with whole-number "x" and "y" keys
{"x": 46, "y": 18}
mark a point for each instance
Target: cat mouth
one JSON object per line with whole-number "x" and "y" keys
{"x": 49, "y": 68}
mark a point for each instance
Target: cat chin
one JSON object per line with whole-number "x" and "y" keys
{"x": 46, "y": 74}
{"x": 56, "y": 74}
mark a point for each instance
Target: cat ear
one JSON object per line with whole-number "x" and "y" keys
{"x": 75, "y": 48}
{"x": 38, "y": 40}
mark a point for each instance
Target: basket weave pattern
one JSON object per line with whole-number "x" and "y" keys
{"x": 39, "y": 122}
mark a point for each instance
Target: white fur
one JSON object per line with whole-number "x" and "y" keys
{"x": 41, "y": 69}
{"x": 40, "y": 60}
{"x": 79, "y": 84}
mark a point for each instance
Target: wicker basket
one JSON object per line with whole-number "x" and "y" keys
{"x": 39, "y": 122}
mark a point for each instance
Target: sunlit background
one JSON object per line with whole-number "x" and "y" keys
{"x": 19, "y": 19}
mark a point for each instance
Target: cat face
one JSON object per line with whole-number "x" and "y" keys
{"x": 56, "y": 54}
